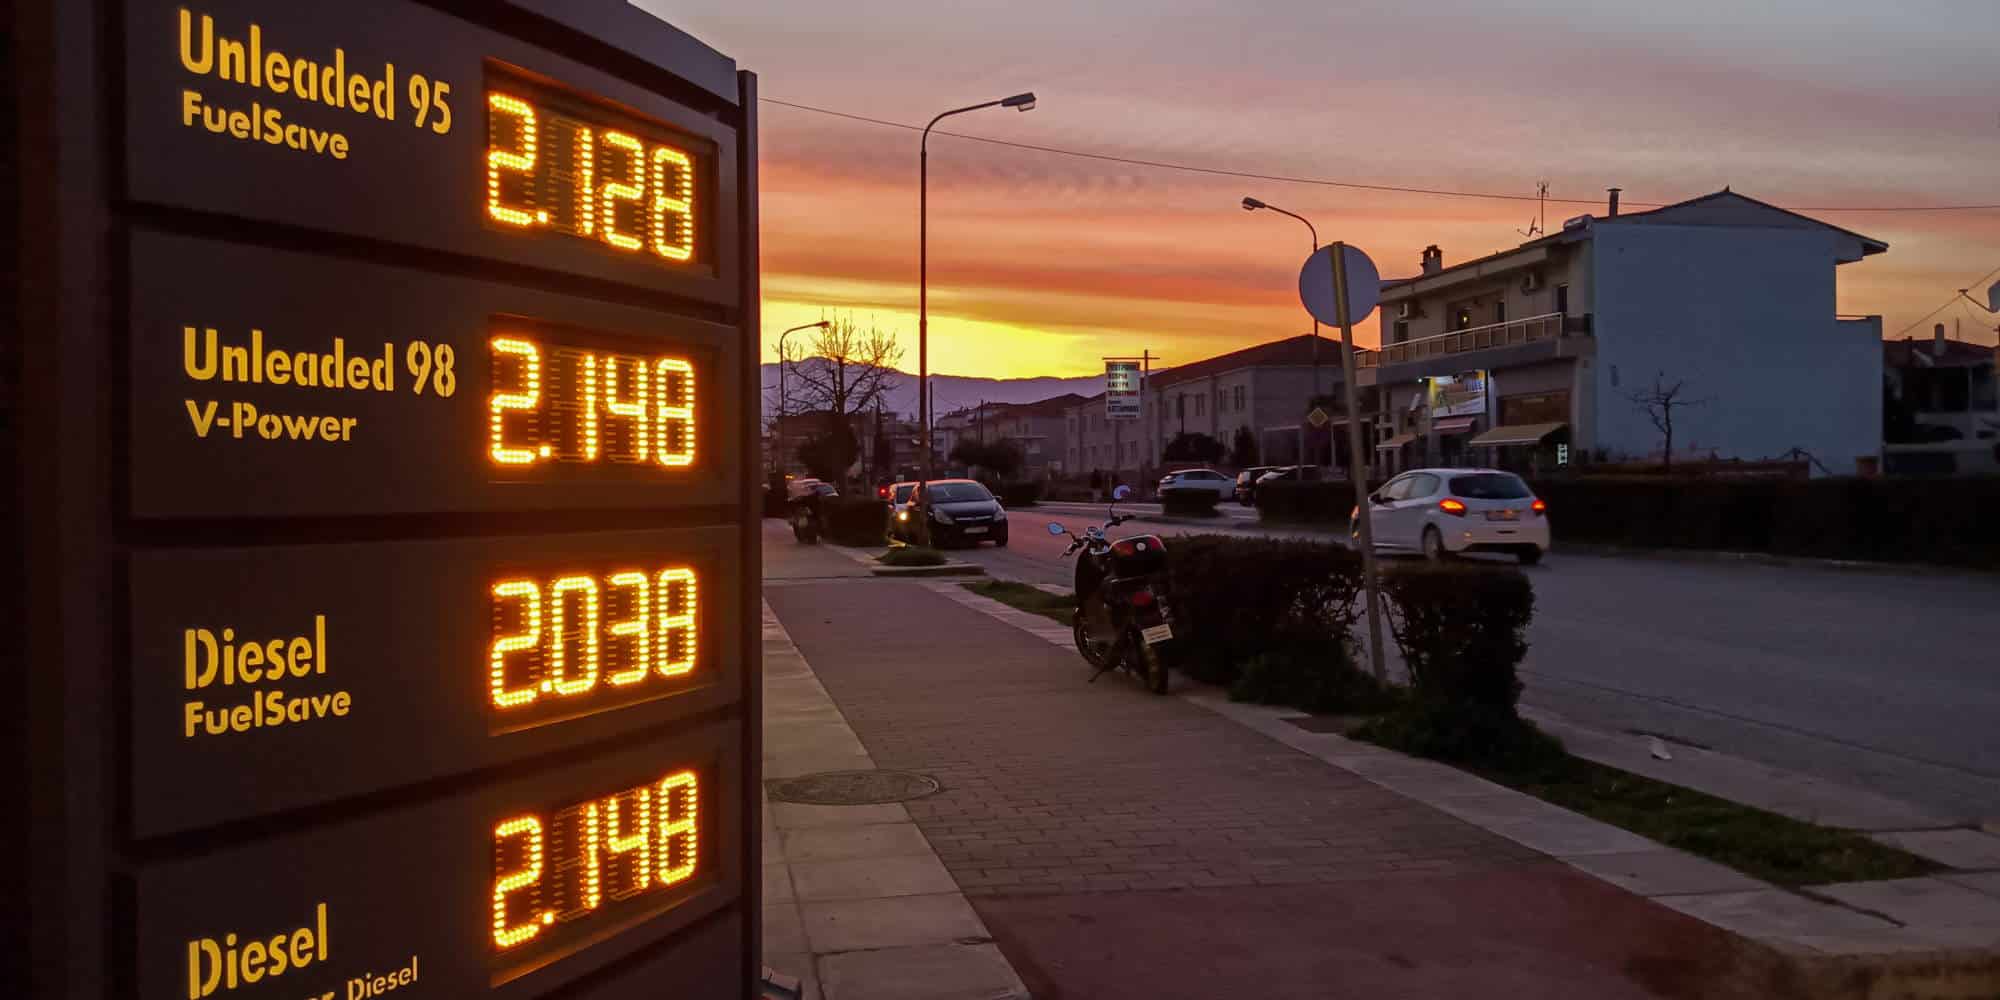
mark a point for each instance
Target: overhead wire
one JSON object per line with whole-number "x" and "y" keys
{"x": 1316, "y": 181}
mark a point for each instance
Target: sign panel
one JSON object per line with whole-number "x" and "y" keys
{"x": 332, "y": 386}
{"x": 465, "y": 140}
{"x": 481, "y": 893}
{"x": 385, "y": 373}
{"x": 392, "y": 663}
{"x": 1460, "y": 395}
{"x": 1124, "y": 384}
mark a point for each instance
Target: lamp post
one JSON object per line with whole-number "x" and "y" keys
{"x": 1251, "y": 205}
{"x": 1019, "y": 102}
{"x": 822, "y": 324}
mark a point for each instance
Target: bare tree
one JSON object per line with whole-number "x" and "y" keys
{"x": 1658, "y": 403}
{"x": 844, "y": 370}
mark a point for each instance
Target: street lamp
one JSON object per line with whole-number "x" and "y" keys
{"x": 1251, "y": 205}
{"x": 822, "y": 324}
{"x": 1019, "y": 102}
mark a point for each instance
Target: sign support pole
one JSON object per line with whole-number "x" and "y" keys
{"x": 1357, "y": 466}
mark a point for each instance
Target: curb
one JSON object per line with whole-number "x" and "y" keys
{"x": 947, "y": 569}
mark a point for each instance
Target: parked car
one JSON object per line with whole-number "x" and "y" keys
{"x": 1440, "y": 512}
{"x": 901, "y": 525}
{"x": 1246, "y": 483}
{"x": 1285, "y": 474}
{"x": 808, "y": 486}
{"x": 1198, "y": 479}
{"x": 960, "y": 511}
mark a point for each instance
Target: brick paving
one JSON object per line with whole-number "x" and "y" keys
{"x": 1122, "y": 844}
{"x": 1054, "y": 785}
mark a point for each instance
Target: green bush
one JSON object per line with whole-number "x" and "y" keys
{"x": 1020, "y": 493}
{"x": 1893, "y": 520}
{"x": 1462, "y": 630}
{"x": 858, "y": 521}
{"x": 1320, "y": 678}
{"x": 1235, "y": 599}
{"x": 1189, "y": 503}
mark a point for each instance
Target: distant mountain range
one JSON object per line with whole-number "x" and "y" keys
{"x": 952, "y": 391}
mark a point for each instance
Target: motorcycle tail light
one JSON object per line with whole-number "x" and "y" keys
{"x": 1142, "y": 598}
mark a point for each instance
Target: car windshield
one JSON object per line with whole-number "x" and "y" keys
{"x": 903, "y": 492}
{"x": 1490, "y": 486}
{"x": 958, "y": 492}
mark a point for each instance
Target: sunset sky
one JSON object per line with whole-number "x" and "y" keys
{"x": 1042, "y": 263}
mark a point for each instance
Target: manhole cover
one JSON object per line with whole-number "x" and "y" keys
{"x": 853, "y": 788}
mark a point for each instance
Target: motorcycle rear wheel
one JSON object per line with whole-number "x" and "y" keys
{"x": 1147, "y": 664}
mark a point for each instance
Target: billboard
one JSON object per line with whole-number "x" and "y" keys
{"x": 1123, "y": 382}
{"x": 1460, "y": 395}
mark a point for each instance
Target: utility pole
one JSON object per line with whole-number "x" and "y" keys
{"x": 1357, "y": 468}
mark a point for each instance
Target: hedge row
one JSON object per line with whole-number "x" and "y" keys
{"x": 1945, "y": 521}
{"x": 1274, "y": 619}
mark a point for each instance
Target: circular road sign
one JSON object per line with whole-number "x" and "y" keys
{"x": 1364, "y": 286}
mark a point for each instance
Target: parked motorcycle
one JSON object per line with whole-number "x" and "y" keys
{"x": 1122, "y": 617}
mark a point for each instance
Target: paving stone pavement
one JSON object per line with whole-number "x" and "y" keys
{"x": 1066, "y": 806}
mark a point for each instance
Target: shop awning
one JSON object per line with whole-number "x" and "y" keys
{"x": 1396, "y": 442}
{"x": 1517, "y": 434}
{"x": 1454, "y": 425}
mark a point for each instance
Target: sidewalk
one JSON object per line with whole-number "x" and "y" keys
{"x": 1116, "y": 844}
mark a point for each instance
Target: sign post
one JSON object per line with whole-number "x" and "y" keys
{"x": 386, "y": 450}
{"x": 1356, "y": 288}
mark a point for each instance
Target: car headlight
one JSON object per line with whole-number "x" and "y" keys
{"x": 999, "y": 513}
{"x": 902, "y": 515}
{"x": 940, "y": 517}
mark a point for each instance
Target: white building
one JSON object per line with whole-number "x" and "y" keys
{"x": 1726, "y": 295}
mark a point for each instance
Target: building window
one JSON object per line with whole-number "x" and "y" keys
{"x": 1199, "y": 402}
{"x": 1500, "y": 311}
{"x": 1562, "y": 299}
{"x": 1461, "y": 318}
{"x": 1399, "y": 332}
{"x": 1239, "y": 399}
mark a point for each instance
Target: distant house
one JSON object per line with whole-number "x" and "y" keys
{"x": 1529, "y": 356}
{"x": 1946, "y": 401}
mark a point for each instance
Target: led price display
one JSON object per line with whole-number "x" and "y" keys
{"x": 557, "y": 403}
{"x": 560, "y": 164}
{"x": 592, "y": 861}
{"x": 571, "y": 640}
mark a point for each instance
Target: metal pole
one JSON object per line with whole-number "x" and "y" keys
{"x": 1357, "y": 469}
{"x": 924, "y": 321}
{"x": 822, "y": 324}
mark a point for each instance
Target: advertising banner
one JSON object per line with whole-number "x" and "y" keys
{"x": 1460, "y": 395}
{"x": 1122, "y": 383}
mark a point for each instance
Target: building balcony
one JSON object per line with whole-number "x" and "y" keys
{"x": 1533, "y": 329}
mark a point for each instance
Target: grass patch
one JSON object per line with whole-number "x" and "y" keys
{"x": 911, "y": 555}
{"x": 1764, "y": 845}
{"x": 1034, "y": 600}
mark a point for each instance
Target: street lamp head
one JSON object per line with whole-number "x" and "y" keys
{"x": 1020, "y": 102}
{"x": 1252, "y": 204}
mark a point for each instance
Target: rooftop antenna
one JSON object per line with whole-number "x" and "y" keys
{"x": 1537, "y": 226}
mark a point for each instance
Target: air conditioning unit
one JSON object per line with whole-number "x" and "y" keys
{"x": 1405, "y": 309}
{"x": 1532, "y": 281}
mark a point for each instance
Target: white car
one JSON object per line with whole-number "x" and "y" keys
{"x": 1200, "y": 479}
{"x": 1439, "y": 512}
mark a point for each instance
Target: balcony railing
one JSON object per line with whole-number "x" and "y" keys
{"x": 1548, "y": 326}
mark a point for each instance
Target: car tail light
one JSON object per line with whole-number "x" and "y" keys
{"x": 1539, "y": 507}
{"x": 1454, "y": 507}
{"x": 882, "y": 492}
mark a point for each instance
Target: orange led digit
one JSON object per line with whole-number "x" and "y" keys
{"x": 563, "y": 637}
{"x": 553, "y": 403}
{"x": 528, "y": 831}
{"x": 636, "y": 630}
{"x": 608, "y": 854}
{"x": 528, "y": 397}
{"x": 574, "y": 166}
{"x": 677, "y": 622}
{"x": 528, "y": 638}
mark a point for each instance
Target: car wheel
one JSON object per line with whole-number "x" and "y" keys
{"x": 1434, "y": 549}
{"x": 1530, "y": 555}
{"x": 1000, "y": 541}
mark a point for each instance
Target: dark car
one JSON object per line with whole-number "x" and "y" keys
{"x": 960, "y": 511}
{"x": 1246, "y": 483}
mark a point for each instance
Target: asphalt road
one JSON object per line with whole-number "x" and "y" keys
{"x": 1889, "y": 682}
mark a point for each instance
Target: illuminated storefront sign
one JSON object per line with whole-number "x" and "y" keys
{"x": 408, "y": 565}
